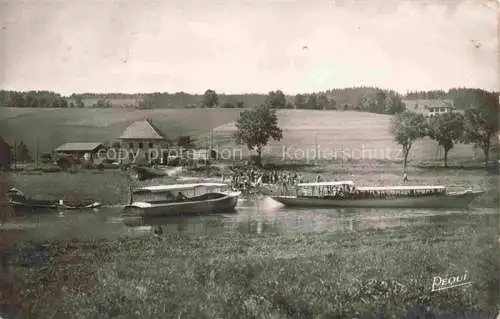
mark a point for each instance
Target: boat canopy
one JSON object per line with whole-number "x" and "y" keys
{"x": 339, "y": 183}
{"x": 400, "y": 188}
{"x": 175, "y": 187}
{"x": 16, "y": 191}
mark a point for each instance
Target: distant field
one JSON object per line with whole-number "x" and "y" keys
{"x": 345, "y": 135}
{"x": 50, "y": 128}
{"x": 335, "y": 134}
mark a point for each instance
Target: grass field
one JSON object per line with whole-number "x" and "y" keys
{"x": 331, "y": 134}
{"x": 370, "y": 274}
{"x": 341, "y": 135}
{"x": 53, "y": 127}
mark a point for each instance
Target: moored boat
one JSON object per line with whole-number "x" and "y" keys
{"x": 171, "y": 200}
{"x": 78, "y": 204}
{"x": 19, "y": 202}
{"x": 346, "y": 194}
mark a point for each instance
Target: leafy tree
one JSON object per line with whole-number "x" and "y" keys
{"x": 276, "y": 99}
{"x": 210, "y": 98}
{"x": 17, "y": 100}
{"x": 481, "y": 121}
{"x": 378, "y": 105}
{"x": 312, "y": 103}
{"x": 79, "y": 102}
{"x": 299, "y": 101}
{"x": 227, "y": 105}
{"x": 406, "y": 128}
{"x": 63, "y": 103}
{"x": 322, "y": 101}
{"x": 332, "y": 104}
{"x": 185, "y": 142}
{"x": 23, "y": 154}
{"x": 240, "y": 104}
{"x": 256, "y": 126}
{"x": 364, "y": 104}
{"x": 145, "y": 104}
{"x": 393, "y": 104}
{"x": 447, "y": 129}
{"x": 102, "y": 104}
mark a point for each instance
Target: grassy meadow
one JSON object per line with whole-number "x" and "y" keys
{"x": 50, "y": 128}
{"x": 341, "y": 135}
{"x": 370, "y": 274}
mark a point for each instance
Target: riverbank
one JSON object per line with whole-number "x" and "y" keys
{"x": 111, "y": 187}
{"x": 342, "y": 275}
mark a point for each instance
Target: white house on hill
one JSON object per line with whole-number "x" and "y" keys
{"x": 430, "y": 107}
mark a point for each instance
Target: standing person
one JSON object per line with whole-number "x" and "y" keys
{"x": 318, "y": 179}
{"x": 284, "y": 185}
{"x": 405, "y": 177}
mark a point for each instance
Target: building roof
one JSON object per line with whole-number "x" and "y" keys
{"x": 143, "y": 129}
{"x": 79, "y": 147}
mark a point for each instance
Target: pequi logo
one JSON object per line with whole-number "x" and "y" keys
{"x": 442, "y": 283}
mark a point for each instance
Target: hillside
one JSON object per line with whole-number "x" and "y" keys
{"x": 53, "y": 127}
{"x": 335, "y": 134}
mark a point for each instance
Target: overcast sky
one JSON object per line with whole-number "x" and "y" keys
{"x": 246, "y": 46}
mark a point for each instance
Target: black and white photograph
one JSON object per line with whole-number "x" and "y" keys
{"x": 249, "y": 159}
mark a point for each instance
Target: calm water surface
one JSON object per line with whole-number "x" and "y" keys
{"x": 254, "y": 217}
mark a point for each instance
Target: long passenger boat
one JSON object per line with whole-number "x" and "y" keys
{"x": 347, "y": 194}
{"x": 163, "y": 200}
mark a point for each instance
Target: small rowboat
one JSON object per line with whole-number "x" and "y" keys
{"x": 78, "y": 204}
{"x": 346, "y": 194}
{"x": 20, "y": 202}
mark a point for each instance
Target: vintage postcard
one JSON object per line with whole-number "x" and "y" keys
{"x": 249, "y": 159}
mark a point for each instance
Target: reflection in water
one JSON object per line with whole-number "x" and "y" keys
{"x": 258, "y": 217}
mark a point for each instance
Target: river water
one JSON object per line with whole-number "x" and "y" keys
{"x": 251, "y": 217}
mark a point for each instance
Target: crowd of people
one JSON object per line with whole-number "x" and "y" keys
{"x": 255, "y": 180}
{"x": 248, "y": 179}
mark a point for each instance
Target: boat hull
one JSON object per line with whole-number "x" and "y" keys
{"x": 223, "y": 204}
{"x": 40, "y": 206}
{"x": 79, "y": 205}
{"x": 450, "y": 200}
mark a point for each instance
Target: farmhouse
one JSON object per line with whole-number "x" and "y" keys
{"x": 146, "y": 140}
{"x": 82, "y": 151}
{"x": 429, "y": 107}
